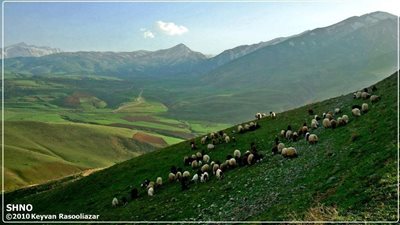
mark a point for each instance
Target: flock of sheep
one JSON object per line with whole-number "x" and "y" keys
{"x": 202, "y": 166}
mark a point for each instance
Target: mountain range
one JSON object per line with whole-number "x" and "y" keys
{"x": 24, "y": 50}
{"x": 283, "y": 72}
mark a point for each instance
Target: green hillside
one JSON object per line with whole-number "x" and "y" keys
{"x": 36, "y": 152}
{"x": 350, "y": 174}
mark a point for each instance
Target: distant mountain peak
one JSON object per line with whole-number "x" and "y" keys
{"x": 23, "y": 49}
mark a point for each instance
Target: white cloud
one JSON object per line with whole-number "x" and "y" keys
{"x": 148, "y": 34}
{"x": 171, "y": 29}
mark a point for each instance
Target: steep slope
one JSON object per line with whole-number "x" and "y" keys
{"x": 350, "y": 174}
{"x": 24, "y": 50}
{"x": 176, "y": 60}
{"x": 312, "y": 66}
{"x": 36, "y": 152}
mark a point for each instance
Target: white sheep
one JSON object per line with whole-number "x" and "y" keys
{"x": 205, "y": 168}
{"x": 374, "y": 98}
{"x": 171, "y": 177}
{"x": 236, "y": 153}
{"x": 283, "y": 133}
{"x": 206, "y": 158}
{"x": 186, "y": 174}
{"x": 114, "y": 202}
{"x": 178, "y": 175}
{"x": 150, "y": 191}
{"x": 159, "y": 181}
{"x": 345, "y": 118}
{"x": 364, "y": 95}
{"x": 195, "y": 164}
{"x": 240, "y": 128}
{"x": 215, "y": 167}
{"x": 337, "y": 111}
{"x": 280, "y": 147}
{"x": 356, "y": 112}
{"x": 314, "y": 124}
{"x": 195, "y": 178}
{"x": 358, "y": 94}
{"x": 289, "y": 134}
{"x": 250, "y": 159}
{"x": 312, "y": 139}
{"x": 364, "y": 107}
{"x": 204, "y": 177}
{"x": 326, "y": 123}
{"x": 246, "y": 127}
{"x": 227, "y": 139}
{"x": 232, "y": 162}
{"x": 199, "y": 156}
{"x": 289, "y": 152}
{"x": 219, "y": 174}
{"x": 272, "y": 114}
{"x": 210, "y": 146}
{"x": 204, "y": 139}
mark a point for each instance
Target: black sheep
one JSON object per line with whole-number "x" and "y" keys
{"x": 134, "y": 193}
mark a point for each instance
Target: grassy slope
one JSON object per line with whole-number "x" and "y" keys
{"x": 36, "y": 152}
{"x": 337, "y": 179}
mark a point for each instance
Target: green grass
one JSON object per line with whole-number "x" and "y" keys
{"x": 36, "y": 152}
{"x": 336, "y": 179}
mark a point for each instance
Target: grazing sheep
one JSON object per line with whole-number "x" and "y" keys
{"x": 329, "y": 115}
{"x": 310, "y": 112}
{"x": 205, "y": 168}
{"x": 288, "y": 134}
{"x": 290, "y": 152}
{"x": 214, "y": 168}
{"x": 227, "y": 139}
{"x": 171, "y": 177}
{"x": 212, "y": 135}
{"x": 280, "y": 147}
{"x": 186, "y": 174}
{"x": 333, "y": 124}
{"x": 195, "y": 178}
{"x": 272, "y": 115}
{"x": 178, "y": 175}
{"x": 199, "y": 156}
{"x": 145, "y": 183}
{"x": 114, "y": 202}
{"x": 295, "y": 136}
{"x": 345, "y": 118}
{"x": 304, "y": 129}
{"x": 312, "y": 139}
{"x": 159, "y": 181}
{"x": 364, "y": 107}
{"x": 283, "y": 133}
{"x": 258, "y": 116}
{"x": 206, "y": 158}
{"x": 224, "y": 165}
{"x": 374, "y": 98}
{"x": 240, "y": 128}
{"x": 358, "y": 94}
{"x": 326, "y": 123}
{"x": 204, "y": 140}
{"x": 210, "y": 146}
{"x": 340, "y": 121}
{"x": 337, "y": 111}
{"x": 317, "y": 117}
{"x": 246, "y": 127}
{"x": 232, "y": 162}
{"x": 356, "y": 112}
{"x": 236, "y": 154}
{"x": 150, "y": 191}
{"x": 204, "y": 177}
{"x": 314, "y": 124}
{"x": 365, "y": 95}
{"x": 219, "y": 174}
{"x": 195, "y": 164}
{"x": 250, "y": 159}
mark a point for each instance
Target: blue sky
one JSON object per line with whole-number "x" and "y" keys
{"x": 206, "y": 27}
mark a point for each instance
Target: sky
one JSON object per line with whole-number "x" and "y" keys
{"x": 207, "y": 27}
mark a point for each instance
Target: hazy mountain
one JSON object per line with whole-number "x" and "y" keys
{"x": 176, "y": 60}
{"x": 311, "y": 66}
{"x": 237, "y": 52}
{"x": 24, "y": 50}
